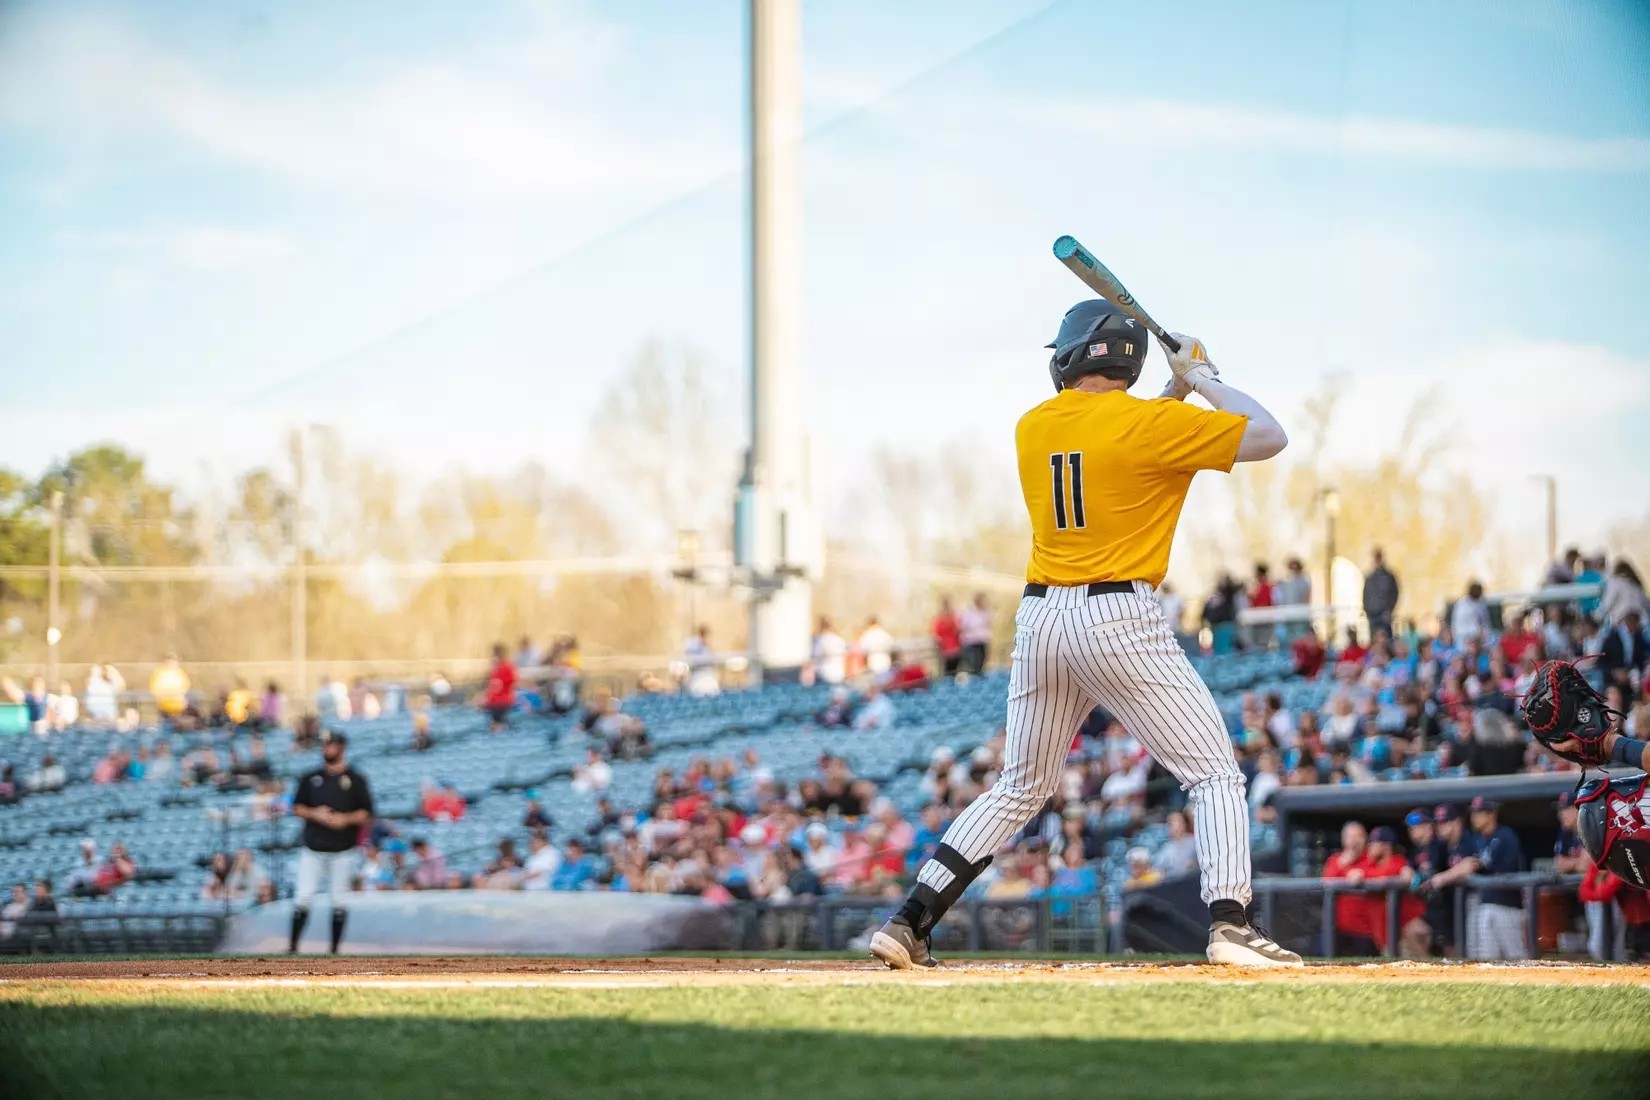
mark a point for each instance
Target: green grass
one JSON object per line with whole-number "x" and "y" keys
{"x": 882, "y": 1039}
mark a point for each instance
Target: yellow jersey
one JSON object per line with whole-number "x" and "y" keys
{"x": 1105, "y": 477}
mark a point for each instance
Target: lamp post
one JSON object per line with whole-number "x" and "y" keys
{"x": 55, "y": 551}
{"x": 687, "y": 571}
{"x": 1330, "y": 499}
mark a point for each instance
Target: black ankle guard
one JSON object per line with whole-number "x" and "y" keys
{"x": 934, "y": 904}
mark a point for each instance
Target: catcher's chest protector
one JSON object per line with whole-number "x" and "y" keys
{"x": 1614, "y": 815}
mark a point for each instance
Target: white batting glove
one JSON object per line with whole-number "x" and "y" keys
{"x": 1191, "y": 363}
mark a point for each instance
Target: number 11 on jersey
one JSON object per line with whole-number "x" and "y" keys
{"x": 1060, "y": 463}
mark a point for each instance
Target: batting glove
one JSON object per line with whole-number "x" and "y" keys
{"x": 1191, "y": 364}
{"x": 1176, "y": 390}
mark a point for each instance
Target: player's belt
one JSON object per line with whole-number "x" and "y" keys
{"x": 1098, "y": 588}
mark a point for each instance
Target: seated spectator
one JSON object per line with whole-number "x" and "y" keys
{"x": 1353, "y": 935}
{"x": 49, "y": 776}
{"x": 840, "y": 710}
{"x": 1626, "y": 651}
{"x": 1421, "y": 728}
{"x": 1490, "y": 744}
{"x": 421, "y": 740}
{"x": 170, "y": 686}
{"x": 898, "y": 833}
{"x": 820, "y": 855}
{"x": 877, "y": 713}
{"x": 904, "y": 675}
{"x": 1342, "y": 726}
{"x": 216, "y": 886}
{"x": 8, "y": 784}
{"x": 81, "y": 882}
{"x": 116, "y": 871}
{"x": 1075, "y": 878}
{"x": 1178, "y": 855}
{"x": 594, "y": 775}
{"x": 1308, "y": 654}
{"x": 429, "y": 866}
{"x": 1141, "y": 872}
{"x": 1352, "y": 651}
{"x": 535, "y": 816}
{"x": 246, "y": 879}
{"x": 103, "y": 688}
{"x": 13, "y": 911}
{"x": 1518, "y": 640}
{"x": 1266, "y": 780}
{"x": 926, "y": 839}
{"x": 162, "y": 766}
{"x": 543, "y": 861}
{"x": 502, "y": 872}
{"x": 578, "y": 868}
{"x": 442, "y": 802}
{"x": 111, "y": 768}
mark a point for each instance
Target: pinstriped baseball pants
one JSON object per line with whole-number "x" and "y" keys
{"x": 1072, "y": 651}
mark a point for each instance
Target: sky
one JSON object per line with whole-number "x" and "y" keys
{"x": 446, "y": 227}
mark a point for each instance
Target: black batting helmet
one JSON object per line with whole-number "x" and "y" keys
{"x": 1097, "y": 338}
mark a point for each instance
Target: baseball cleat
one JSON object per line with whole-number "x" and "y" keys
{"x": 1244, "y": 945}
{"x": 896, "y": 943}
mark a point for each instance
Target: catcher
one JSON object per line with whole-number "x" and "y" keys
{"x": 1573, "y": 721}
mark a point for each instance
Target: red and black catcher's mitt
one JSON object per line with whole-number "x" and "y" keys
{"x": 1562, "y": 705}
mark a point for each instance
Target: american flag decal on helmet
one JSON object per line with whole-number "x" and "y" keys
{"x": 1096, "y": 349}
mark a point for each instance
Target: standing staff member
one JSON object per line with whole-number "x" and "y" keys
{"x": 335, "y": 804}
{"x": 1104, "y": 475}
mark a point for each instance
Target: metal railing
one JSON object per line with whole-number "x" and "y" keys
{"x": 114, "y": 933}
{"x": 1531, "y": 884}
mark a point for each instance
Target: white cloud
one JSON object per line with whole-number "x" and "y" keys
{"x": 1372, "y": 137}
{"x": 474, "y": 128}
{"x": 212, "y": 248}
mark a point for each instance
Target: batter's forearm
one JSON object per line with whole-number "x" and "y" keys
{"x": 1264, "y": 437}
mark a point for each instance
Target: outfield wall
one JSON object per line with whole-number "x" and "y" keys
{"x": 463, "y": 922}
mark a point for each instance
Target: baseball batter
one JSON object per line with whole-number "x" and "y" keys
{"x": 1104, "y": 475}
{"x": 335, "y": 804}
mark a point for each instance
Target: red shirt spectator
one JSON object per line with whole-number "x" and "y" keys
{"x": 443, "y": 803}
{"x": 1381, "y": 862}
{"x": 501, "y": 685}
{"x": 1309, "y": 654}
{"x": 947, "y": 634}
{"x": 907, "y": 677}
{"x": 1351, "y": 863}
{"x": 1517, "y": 643}
{"x": 1353, "y": 652}
{"x": 1265, "y": 592}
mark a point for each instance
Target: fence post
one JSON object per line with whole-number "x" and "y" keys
{"x": 1532, "y": 920}
{"x": 1461, "y": 895}
{"x": 1045, "y": 925}
{"x": 1328, "y": 921}
{"x": 1392, "y": 929}
{"x": 975, "y": 920}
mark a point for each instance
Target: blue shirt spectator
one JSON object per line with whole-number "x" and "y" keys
{"x": 1497, "y": 851}
{"x": 578, "y": 868}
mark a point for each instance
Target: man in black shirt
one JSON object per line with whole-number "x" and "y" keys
{"x": 335, "y": 804}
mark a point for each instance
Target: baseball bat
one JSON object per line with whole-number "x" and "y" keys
{"x": 1081, "y": 263}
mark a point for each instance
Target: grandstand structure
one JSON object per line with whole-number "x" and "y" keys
{"x": 172, "y": 830}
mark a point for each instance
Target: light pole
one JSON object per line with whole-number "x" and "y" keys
{"x": 687, "y": 571}
{"x": 1330, "y": 499}
{"x": 53, "y": 633}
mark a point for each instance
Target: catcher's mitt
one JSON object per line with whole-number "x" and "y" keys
{"x": 1562, "y": 705}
